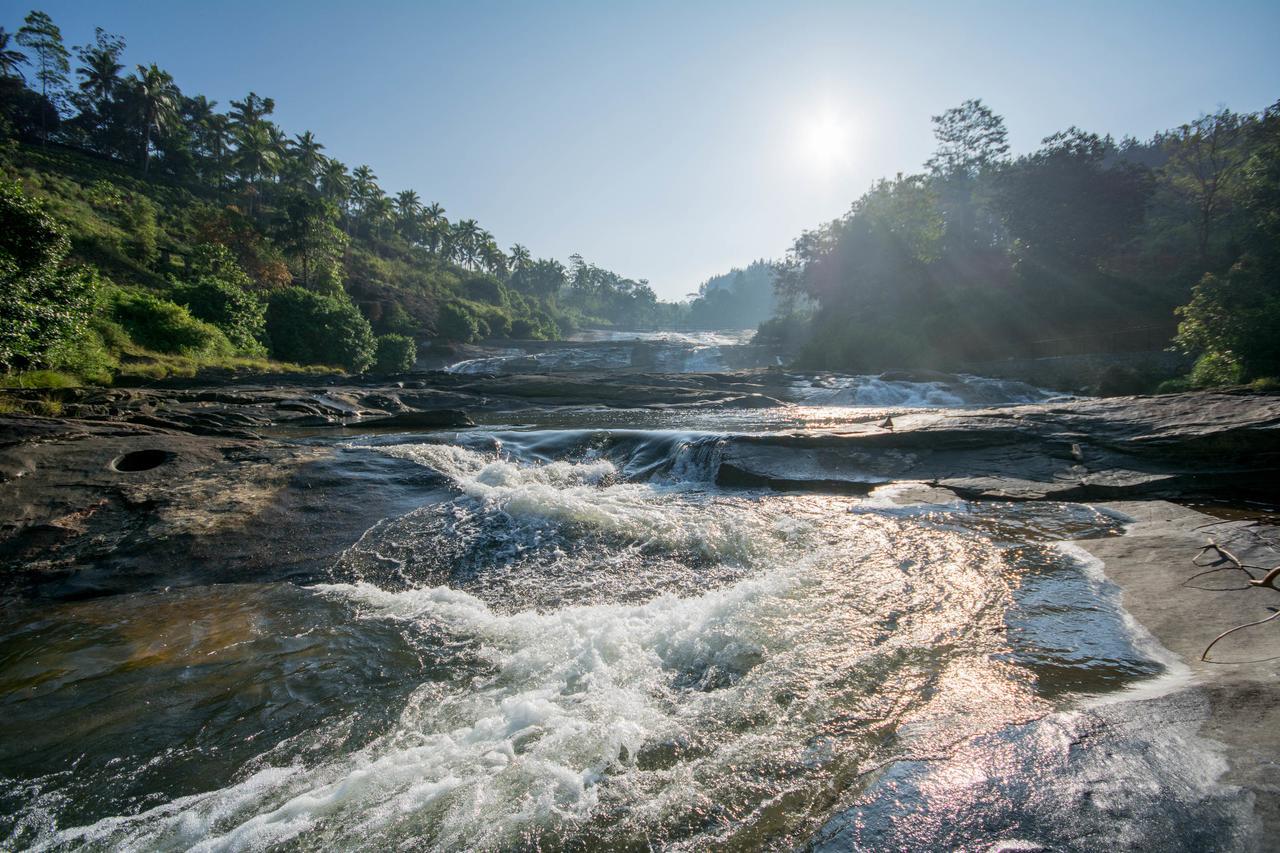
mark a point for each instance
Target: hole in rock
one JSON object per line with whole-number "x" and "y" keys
{"x": 142, "y": 460}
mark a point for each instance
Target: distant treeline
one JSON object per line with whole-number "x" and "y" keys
{"x": 1087, "y": 244}
{"x": 124, "y": 190}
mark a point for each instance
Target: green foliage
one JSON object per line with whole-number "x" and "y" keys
{"x": 138, "y": 217}
{"x": 1216, "y": 368}
{"x": 44, "y": 305}
{"x": 40, "y": 379}
{"x": 1232, "y": 321}
{"x": 218, "y": 294}
{"x": 313, "y": 328}
{"x": 240, "y": 315}
{"x": 457, "y": 322}
{"x": 395, "y": 354}
{"x": 165, "y": 326}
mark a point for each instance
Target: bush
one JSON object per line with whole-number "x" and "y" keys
{"x": 88, "y": 356}
{"x": 313, "y": 328}
{"x": 165, "y": 326}
{"x": 484, "y": 288}
{"x": 457, "y": 323}
{"x": 1216, "y": 368}
{"x": 1118, "y": 381}
{"x": 41, "y": 305}
{"x": 1174, "y": 386}
{"x": 1231, "y": 321}
{"x": 239, "y": 314}
{"x": 395, "y": 354}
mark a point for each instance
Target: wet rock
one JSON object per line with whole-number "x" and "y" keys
{"x": 437, "y": 419}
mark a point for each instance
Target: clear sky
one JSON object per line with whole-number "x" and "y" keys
{"x": 671, "y": 141}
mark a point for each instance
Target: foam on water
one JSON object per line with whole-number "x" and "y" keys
{"x": 711, "y": 714}
{"x": 873, "y": 391}
{"x": 662, "y": 664}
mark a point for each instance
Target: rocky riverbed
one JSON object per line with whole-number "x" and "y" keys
{"x": 149, "y": 491}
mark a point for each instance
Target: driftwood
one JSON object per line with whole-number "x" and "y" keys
{"x": 1233, "y": 562}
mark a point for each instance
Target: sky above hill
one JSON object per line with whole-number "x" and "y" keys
{"x": 671, "y": 141}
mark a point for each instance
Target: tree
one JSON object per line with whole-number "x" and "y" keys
{"x": 335, "y": 183}
{"x": 255, "y": 157}
{"x": 306, "y": 228}
{"x": 1205, "y": 159}
{"x": 251, "y": 110}
{"x": 43, "y": 305}
{"x": 395, "y": 354}
{"x": 216, "y": 290}
{"x": 10, "y": 59}
{"x": 158, "y": 98}
{"x": 313, "y": 328}
{"x": 408, "y": 214}
{"x": 99, "y": 73}
{"x": 519, "y": 256}
{"x": 306, "y": 151}
{"x": 39, "y": 33}
{"x": 970, "y": 137}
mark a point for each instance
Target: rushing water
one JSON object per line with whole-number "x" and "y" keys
{"x": 576, "y": 641}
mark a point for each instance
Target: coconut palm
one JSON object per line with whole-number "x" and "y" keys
{"x": 364, "y": 186}
{"x": 335, "y": 182}
{"x": 158, "y": 96}
{"x": 437, "y": 231}
{"x": 100, "y": 74}
{"x": 519, "y": 256}
{"x": 464, "y": 242}
{"x": 306, "y": 151}
{"x": 493, "y": 258}
{"x": 256, "y": 157}
{"x": 252, "y": 109}
{"x": 379, "y": 214}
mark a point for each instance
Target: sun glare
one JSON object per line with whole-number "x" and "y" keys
{"x": 823, "y": 140}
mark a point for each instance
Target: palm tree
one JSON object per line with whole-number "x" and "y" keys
{"x": 378, "y": 214}
{"x": 364, "y": 186}
{"x": 255, "y": 157}
{"x": 408, "y": 204}
{"x": 252, "y": 109}
{"x": 10, "y": 59}
{"x": 519, "y": 257}
{"x": 438, "y": 231}
{"x": 99, "y": 75}
{"x": 464, "y": 242}
{"x": 335, "y": 183}
{"x": 408, "y": 208}
{"x": 307, "y": 152}
{"x": 159, "y": 99}
{"x": 493, "y": 258}
{"x": 214, "y": 133}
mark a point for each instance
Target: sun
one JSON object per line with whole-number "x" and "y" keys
{"x": 824, "y": 139}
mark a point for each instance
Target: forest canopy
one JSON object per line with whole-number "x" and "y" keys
{"x": 1087, "y": 244}
{"x": 134, "y": 196}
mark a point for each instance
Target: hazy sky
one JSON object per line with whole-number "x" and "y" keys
{"x": 671, "y": 141}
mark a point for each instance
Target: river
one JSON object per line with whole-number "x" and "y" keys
{"x": 577, "y": 640}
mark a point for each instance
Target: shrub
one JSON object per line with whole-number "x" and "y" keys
{"x": 1118, "y": 380}
{"x": 41, "y": 305}
{"x": 240, "y": 315}
{"x": 1216, "y": 368}
{"x": 165, "y": 326}
{"x": 395, "y": 354}
{"x": 1231, "y": 322}
{"x": 457, "y": 323}
{"x": 484, "y": 288}
{"x": 394, "y": 320}
{"x": 313, "y": 328}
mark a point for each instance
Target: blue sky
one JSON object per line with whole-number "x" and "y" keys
{"x": 670, "y": 141}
